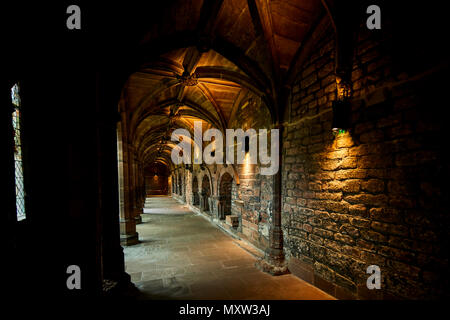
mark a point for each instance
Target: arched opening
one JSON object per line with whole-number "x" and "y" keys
{"x": 195, "y": 196}
{"x": 225, "y": 187}
{"x": 174, "y": 189}
{"x": 156, "y": 179}
{"x": 206, "y": 193}
{"x": 180, "y": 185}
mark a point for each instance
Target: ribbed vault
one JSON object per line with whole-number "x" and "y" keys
{"x": 203, "y": 59}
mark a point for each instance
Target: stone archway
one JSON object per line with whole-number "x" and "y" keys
{"x": 205, "y": 195}
{"x": 195, "y": 195}
{"x": 180, "y": 186}
{"x": 225, "y": 187}
{"x": 174, "y": 189}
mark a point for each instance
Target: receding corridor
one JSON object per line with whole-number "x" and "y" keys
{"x": 183, "y": 256}
{"x": 226, "y": 150}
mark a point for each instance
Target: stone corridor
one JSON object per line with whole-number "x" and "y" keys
{"x": 173, "y": 144}
{"x": 183, "y": 256}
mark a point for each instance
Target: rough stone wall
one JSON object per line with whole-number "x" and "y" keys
{"x": 373, "y": 195}
{"x": 253, "y": 206}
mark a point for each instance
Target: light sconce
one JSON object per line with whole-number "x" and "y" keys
{"x": 341, "y": 107}
{"x": 213, "y": 152}
{"x": 341, "y": 115}
{"x": 246, "y": 144}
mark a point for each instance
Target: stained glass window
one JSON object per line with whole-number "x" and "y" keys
{"x": 20, "y": 191}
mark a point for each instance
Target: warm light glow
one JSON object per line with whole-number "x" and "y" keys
{"x": 247, "y": 163}
{"x": 343, "y": 138}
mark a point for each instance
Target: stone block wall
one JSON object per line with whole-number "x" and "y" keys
{"x": 252, "y": 199}
{"x": 373, "y": 195}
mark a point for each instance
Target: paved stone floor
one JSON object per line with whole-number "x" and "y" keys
{"x": 184, "y": 256}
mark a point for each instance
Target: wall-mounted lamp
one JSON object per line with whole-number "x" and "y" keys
{"x": 213, "y": 143}
{"x": 246, "y": 144}
{"x": 341, "y": 115}
{"x": 341, "y": 107}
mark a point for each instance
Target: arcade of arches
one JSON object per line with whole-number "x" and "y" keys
{"x": 372, "y": 194}
{"x": 341, "y": 201}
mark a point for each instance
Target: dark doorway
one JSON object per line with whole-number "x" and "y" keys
{"x": 156, "y": 179}
{"x": 206, "y": 193}
{"x": 225, "y": 195}
{"x": 195, "y": 196}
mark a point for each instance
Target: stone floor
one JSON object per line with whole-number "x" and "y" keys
{"x": 183, "y": 256}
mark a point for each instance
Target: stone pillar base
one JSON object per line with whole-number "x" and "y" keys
{"x": 129, "y": 239}
{"x": 138, "y": 219}
{"x": 275, "y": 267}
{"x": 118, "y": 285}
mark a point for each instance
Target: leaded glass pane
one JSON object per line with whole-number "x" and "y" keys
{"x": 20, "y": 191}
{"x": 15, "y": 95}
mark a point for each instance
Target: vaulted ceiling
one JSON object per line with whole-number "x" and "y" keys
{"x": 203, "y": 59}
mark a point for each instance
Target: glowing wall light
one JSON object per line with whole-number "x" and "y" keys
{"x": 341, "y": 107}
{"x": 341, "y": 116}
{"x": 247, "y": 166}
{"x": 246, "y": 145}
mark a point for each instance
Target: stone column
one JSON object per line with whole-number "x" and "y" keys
{"x": 202, "y": 196}
{"x": 140, "y": 181}
{"x": 218, "y": 207}
{"x": 274, "y": 261}
{"x": 113, "y": 170}
{"x": 239, "y": 207}
{"x": 134, "y": 176}
{"x": 183, "y": 187}
{"x": 128, "y": 234}
{"x": 199, "y": 198}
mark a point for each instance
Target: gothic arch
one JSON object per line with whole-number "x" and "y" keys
{"x": 224, "y": 191}
{"x": 195, "y": 196}
{"x": 231, "y": 170}
{"x": 206, "y": 193}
